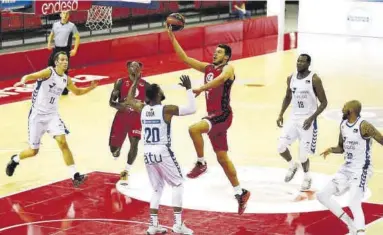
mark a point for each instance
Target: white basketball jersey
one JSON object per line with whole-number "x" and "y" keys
{"x": 357, "y": 149}
{"x": 304, "y": 100}
{"x": 156, "y": 133}
{"x": 47, "y": 92}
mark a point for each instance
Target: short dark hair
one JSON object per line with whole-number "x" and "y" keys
{"x": 152, "y": 91}
{"x": 307, "y": 56}
{"x": 56, "y": 56}
{"x": 227, "y": 49}
{"x": 128, "y": 63}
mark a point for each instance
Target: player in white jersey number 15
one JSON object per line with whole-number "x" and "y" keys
{"x": 161, "y": 164}
{"x": 44, "y": 116}
{"x": 355, "y": 139}
{"x": 304, "y": 88}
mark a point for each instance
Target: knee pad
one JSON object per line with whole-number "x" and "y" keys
{"x": 178, "y": 192}
{"x": 156, "y": 198}
{"x": 115, "y": 151}
{"x": 282, "y": 146}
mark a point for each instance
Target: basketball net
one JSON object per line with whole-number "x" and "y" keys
{"x": 99, "y": 18}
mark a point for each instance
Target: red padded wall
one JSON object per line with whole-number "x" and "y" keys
{"x": 223, "y": 33}
{"x": 131, "y": 47}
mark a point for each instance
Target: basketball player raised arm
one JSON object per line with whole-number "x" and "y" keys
{"x": 193, "y": 63}
{"x": 170, "y": 110}
{"x": 46, "y": 73}
{"x": 321, "y": 95}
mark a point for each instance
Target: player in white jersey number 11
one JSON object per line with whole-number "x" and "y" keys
{"x": 161, "y": 164}
{"x": 355, "y": 139}
{"x": 44, "y": 116}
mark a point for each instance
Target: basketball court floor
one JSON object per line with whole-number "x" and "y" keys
{"x": 40, "y": 200}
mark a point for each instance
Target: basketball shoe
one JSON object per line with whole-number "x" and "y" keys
{"x": 156, "y": 229}
{"x": 291, "y": 172}
{"x": 124, "y": 178}
{"x": 198, "y": 170}
{"x": 11, "y": 166}
{"x": 182, "y": 229}
{"x": 78, "y": 179}
{"x": 242, "y": 201}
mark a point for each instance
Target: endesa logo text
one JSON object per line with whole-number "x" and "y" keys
{"x": 57, "y": 6}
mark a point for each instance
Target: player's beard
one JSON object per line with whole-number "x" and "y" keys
{"x": 163, "y": 97}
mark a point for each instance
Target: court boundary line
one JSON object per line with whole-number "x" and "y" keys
{"x": 66, "y": 220}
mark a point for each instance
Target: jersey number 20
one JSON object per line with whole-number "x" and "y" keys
{"x": 152, "y": 135}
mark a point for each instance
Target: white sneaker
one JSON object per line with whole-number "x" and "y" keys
{"x": 291, "y": 172}
{"x": 156, "y": 229}
{"x": 182, "y": 229}
{"x": 306, "y": 185}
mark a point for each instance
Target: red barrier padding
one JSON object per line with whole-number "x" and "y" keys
{"x": 223, "y": 33}
{"x": 132, "y": 47}
{"x": 157, "y": 45}
{"x": 38, "y": 59}
{"x": 87, "y": 52}
{"x": 15, "y": 64}
{"x": 260, "y": 27}
{"x": 260, "y": 46}
{"x": 189, "y": 39}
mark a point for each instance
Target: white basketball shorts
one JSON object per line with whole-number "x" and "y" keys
{"x": 38, "y": 124}
{"x": 163, "y": 168}
{"x": 293, "y": 130}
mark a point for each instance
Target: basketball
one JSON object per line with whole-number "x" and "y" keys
{"x": 176, "y": 20}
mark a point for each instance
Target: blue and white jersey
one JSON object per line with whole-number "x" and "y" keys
{"x": 357, "y": 149}
{"x": 47, "y": 93}
{"x": 156, "y": 133}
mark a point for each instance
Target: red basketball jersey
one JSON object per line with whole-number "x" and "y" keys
{"x": 217, "y": 99}
{"x": 125, "y": 87}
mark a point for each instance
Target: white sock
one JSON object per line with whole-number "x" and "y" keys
{"x": 154, "y": 220}
{"x": 201, "y": 160}
{"x": 307, "y": 175}
{"x": 238, "y": 190}
{"x": 72, "y": 170}
{"x": 178, "y": 218}
{"x": 16, "y": 158}
{"x": 291, "y": 163}
{"x": 127, "y": 167}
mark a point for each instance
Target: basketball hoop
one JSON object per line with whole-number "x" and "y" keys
{"x": 99, "y": 17}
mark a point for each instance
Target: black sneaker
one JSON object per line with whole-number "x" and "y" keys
{"x": 11, "y": 166}
{"x": 78, "y": 179}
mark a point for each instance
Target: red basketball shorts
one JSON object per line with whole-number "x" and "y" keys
{"x": 219, "y": 124}
{"x": 124, "y": 123}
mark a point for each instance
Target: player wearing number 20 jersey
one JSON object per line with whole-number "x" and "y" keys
{"x": 304, "y": 88}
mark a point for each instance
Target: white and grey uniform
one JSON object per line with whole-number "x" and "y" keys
{"x": 43, "y": 116}
{"x": 357, "y": 169}
{"x": 304, "y": 104}
{"x": 160, "y": 161}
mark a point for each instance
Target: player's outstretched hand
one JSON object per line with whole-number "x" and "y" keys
{"x": 170, "y": 32}
{"x": 185, "y": 82}
{"x": 326, "y": 153}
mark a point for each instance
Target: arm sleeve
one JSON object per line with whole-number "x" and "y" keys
{"x": 190, "y": 108}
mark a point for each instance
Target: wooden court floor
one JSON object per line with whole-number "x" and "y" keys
{"x": 256, "y": 100}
